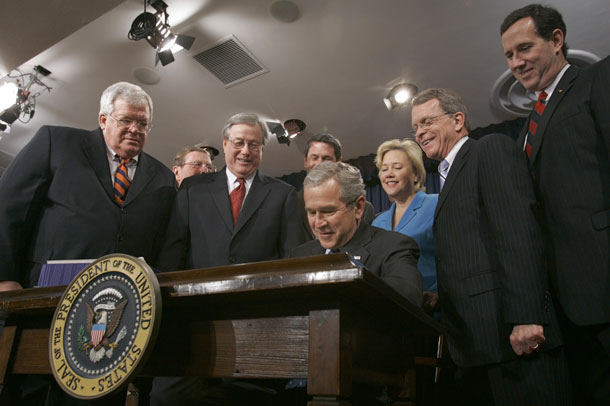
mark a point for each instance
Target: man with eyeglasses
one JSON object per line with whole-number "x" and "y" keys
{"x": 191, "y": 161}
{"x": 494, "y": 297}
{"x": 233, "y": 216}
{"x": 77, "y": 194}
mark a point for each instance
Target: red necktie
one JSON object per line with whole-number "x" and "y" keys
{"x": 534, "y": 120}
{"x": 121, "y": 181}
{"x": 237, "y": 198}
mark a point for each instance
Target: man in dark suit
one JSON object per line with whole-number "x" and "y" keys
{"x": 495, "y": 305}
{"x": 233, "y": 216}
{"x": 59, "y": 199}
{"x": 567, "y": 142}
{"x": 320, "y": 148}
{"x": 334, "y": 202}
{"x": 206, "y": 230}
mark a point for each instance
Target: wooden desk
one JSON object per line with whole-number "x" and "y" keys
{"x": 319, "y": 318}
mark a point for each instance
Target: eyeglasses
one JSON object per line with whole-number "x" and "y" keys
{"x": 141, "y": 125}
{"x": 427, "y": 123}
{"x": 196, "y": 164}
{"x": 238, "y": 143}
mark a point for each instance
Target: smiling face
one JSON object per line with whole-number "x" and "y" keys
{"x": 397, "y": 176}
{"x": 126, "y": 142}
{"x": 534, "y": 61}
{"x": 243, "y": 162}
{"x": 332, "y": 221}
{"x": 319, "y": 152}
{"x": 444, "y": 131}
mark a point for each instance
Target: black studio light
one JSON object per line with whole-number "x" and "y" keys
{"x": 155, "y": 29}
{"x": 18, "y": 97}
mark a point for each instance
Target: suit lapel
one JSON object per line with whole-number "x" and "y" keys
{"x": 257, "y": 193}
{"x": 416, "y": 203}
{"x": 454, "y": 172}
{"x": 95, "y": 151}
{"x": 562, "y": 88}
{"x": 145, "y": 173}
{"x": 219, "y": 193}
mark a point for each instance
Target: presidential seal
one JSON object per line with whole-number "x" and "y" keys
{"x": 104, "y": 327}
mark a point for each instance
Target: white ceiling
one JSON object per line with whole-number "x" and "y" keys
{"x": 331, "y": 68}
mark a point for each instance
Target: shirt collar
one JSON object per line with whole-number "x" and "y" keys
{"x": 453, "y": 153}
{"x": 549, "y": 90}
{"x": 114, "y": 157}
{"x": 231, "y": 178}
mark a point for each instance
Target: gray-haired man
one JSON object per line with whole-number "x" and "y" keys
{"x": 334, "y": 203}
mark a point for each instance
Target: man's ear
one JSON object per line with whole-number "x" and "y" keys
{"x": 360, "y": 205}
{"x": 557, "y": 39}
{"x": 460, "y": 121}
{"x": 102, "y": 121}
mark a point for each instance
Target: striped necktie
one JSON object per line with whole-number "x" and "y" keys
{"x": 237, "y": 198}
{"x": 121, "y": 181}
{"x": 443, "y": 171}
{"x": 534, "y": 120}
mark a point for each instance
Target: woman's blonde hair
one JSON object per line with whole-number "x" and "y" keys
{"x": 414, "y": 155}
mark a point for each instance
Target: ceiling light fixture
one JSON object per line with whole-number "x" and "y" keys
{"x": 155, "y": 29}
{"x": 400, "y": 95}
{"x": 18, "y": 99}
{"x": 285, "y": 132}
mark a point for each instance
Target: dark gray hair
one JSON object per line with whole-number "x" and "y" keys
{"x": 347, "y": 176}
{"x": 129, "y": 92}
{"x": 327, "y": 139}
{"x": 245, "y": 118}
{"x": 546, "y": 19}
{"x": 449, "y": 100}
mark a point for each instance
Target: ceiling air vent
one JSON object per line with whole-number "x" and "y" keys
{"x": 230, "y": 62}
{"x": 509, "y": 96}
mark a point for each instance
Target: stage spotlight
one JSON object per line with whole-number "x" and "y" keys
{"x": 18, "y": 99}
{"x": 400, "y": 95}
{"x": 155, "y": 29}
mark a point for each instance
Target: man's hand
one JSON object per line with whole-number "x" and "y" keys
{"x": 526, "y": 338}
{"x": 9, "y": 285}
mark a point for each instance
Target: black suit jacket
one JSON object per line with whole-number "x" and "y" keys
{"x": 201, "y": 233}
{"x": 389, "y": 255}
{"x": 570, "y": 165}
{"x": 489, "y": 253}
{"x": 56, "y": 202}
